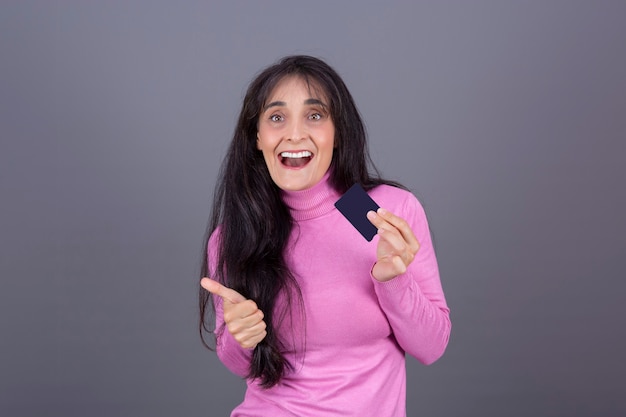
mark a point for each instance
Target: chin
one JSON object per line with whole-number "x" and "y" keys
{"x": 295, "y": 185}
{"x": 296, "y": 180}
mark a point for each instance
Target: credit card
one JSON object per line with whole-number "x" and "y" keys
{"x": 354, "y": 205}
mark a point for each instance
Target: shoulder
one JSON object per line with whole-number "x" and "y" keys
{"x": 394, "y": 198}
{"x": 401, "y": 203}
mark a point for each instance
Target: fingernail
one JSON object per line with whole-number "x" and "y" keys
{"x": 371, "y": 215}
{"x": 382, "y": 211}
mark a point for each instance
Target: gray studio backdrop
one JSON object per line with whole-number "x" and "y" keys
{"x": 507, "y": 119}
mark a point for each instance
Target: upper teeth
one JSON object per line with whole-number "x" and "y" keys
{"x": 303, "y": 154}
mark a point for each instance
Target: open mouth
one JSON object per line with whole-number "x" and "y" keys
{"x": 295, "y": 159}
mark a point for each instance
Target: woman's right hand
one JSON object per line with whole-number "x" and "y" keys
{"x": 243, "y": 318}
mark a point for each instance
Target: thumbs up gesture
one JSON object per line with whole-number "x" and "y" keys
{"x": 243, "y": 318}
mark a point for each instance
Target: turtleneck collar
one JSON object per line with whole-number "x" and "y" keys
{"x": 312, "y": 202}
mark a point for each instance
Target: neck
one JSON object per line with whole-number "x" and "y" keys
{"x": 312, "y": 202}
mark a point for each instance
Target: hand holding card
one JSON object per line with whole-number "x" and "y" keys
{"x": 397, "y": 246}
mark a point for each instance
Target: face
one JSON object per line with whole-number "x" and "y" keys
{"x": 296, "y": 135}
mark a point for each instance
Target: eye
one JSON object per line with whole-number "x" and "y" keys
{"x": 315, "y": 116}
{"x": 276, "y": 118}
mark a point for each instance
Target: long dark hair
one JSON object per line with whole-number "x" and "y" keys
{"x": 254, "y": 223}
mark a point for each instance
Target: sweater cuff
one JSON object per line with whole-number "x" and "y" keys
{"x": 232, "y": 355}
{"x": 401, "y": 283}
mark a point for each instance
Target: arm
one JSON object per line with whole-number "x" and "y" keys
{"x": 231, "y": 353}
{"x": 412, "y": 298}
{"x": 239, "y": 324}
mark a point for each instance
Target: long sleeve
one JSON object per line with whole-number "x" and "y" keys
{"x": 232, "y": 355}
{"x": 414, "y": 302}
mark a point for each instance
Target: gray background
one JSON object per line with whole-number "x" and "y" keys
{"x": 507, "y": 119}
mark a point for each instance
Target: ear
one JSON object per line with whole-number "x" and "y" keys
{"x": 257, "y": 141}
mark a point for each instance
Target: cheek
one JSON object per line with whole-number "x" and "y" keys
{"x": 331, "y": 143}
{"x": 262, "y": 143}
{"x": 268, "y": 157}
{"x": 261, "y": 140}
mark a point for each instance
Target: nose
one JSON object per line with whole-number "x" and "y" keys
{"x": 297, "y": 131}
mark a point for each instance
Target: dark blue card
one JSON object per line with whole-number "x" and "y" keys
{"x": 354, "y": 205}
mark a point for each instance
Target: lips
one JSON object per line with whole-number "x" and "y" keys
{"x": 296, "y": 159}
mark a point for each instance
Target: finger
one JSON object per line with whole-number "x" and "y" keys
{"x": 381, "y": 222}
{"x": 396, "y": 243}
{"x": 388, "y": 268}
{"x": 402, "y": 226}
{"x": 226, "y": 293}
{"x": 249, "y": 333}
{"x": 253, "y": 341}
{"x": 242, "y": 326}
{"x": 383, "y": 217}
{"x": 248, "y": 336}
{"x": 245, "y": 312}
{"x": 389, "y": 230}
{"x": 375, "y": 219}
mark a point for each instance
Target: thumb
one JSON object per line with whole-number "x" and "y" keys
{"x": 226, "y": 293}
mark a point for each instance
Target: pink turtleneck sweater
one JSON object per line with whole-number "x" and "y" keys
{"x": 349, "y": 356}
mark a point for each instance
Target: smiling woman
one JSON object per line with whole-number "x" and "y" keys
{"x": 317, "y": 319}
{"x": 296, "y": 135}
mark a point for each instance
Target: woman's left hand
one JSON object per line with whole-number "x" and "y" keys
{"x": 397, "y": 245}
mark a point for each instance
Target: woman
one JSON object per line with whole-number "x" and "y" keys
{"x": 314, "y": 316}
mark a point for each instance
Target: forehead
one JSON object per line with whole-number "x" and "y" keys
{"x": 296, "y": 85}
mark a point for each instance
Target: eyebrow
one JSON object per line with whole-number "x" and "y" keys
{"x": 309, "y": 101}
